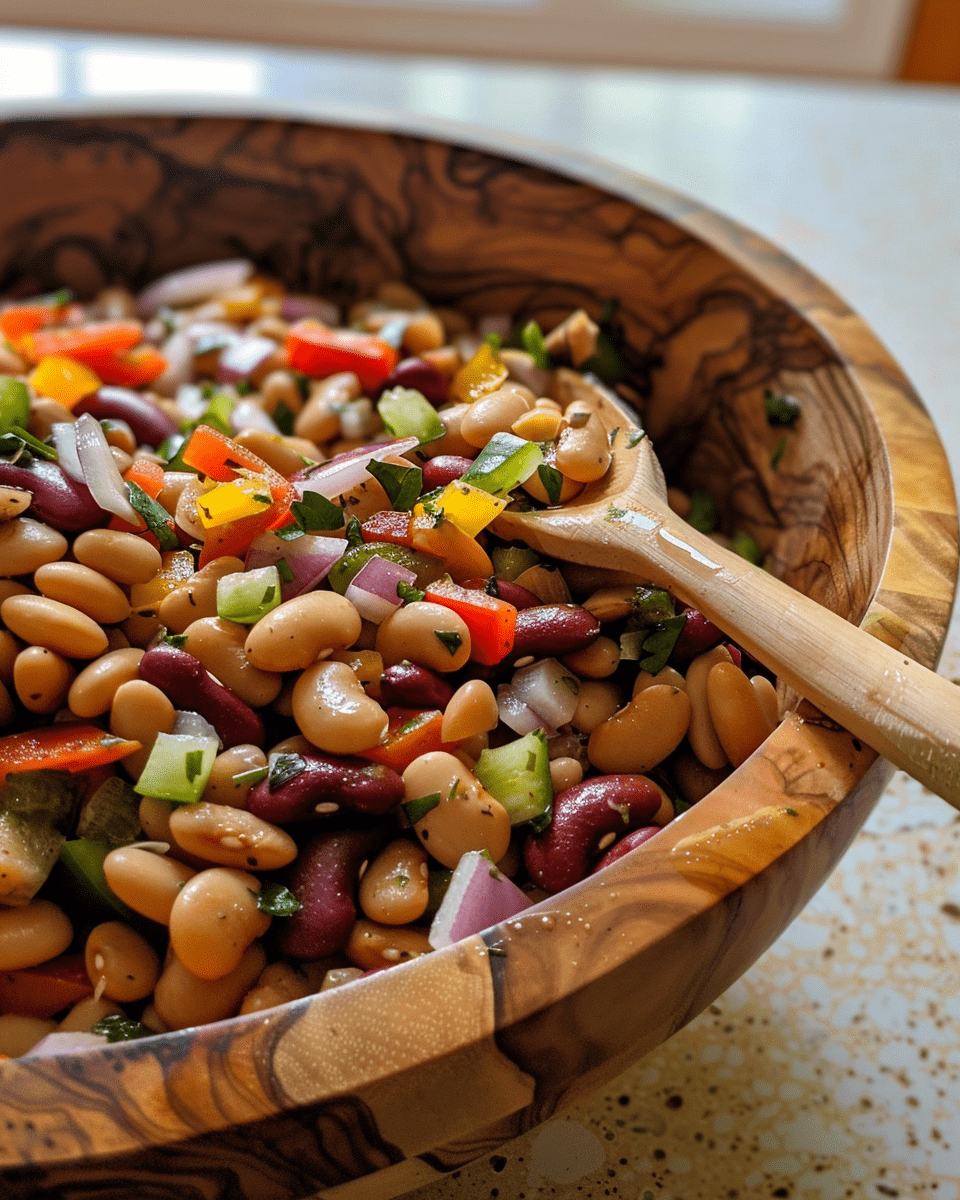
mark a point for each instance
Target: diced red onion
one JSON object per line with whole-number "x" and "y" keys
{"x": 477, "y": 897}
{"x": 100, "y": 471}
{"x": 248, "y": 414}
{"x": 64, "y": 436}
{"x": 340, "y": 474}
{"x": 242, "y": 357}
{"x": 191, "y": 285}
{"x": 549, "y": 689}
{"x": 517, "y": 715}
{"x": 66, "y": 1043}
{"x": 373, "y": 590}
{"x": 309, "y": 558}
{"x": 295, "y": 308}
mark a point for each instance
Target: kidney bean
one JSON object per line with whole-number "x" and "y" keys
{"x": 582, "y": 817}
{"x": 149, "y": 423}
{"x": 549, "y": 630}
{"x": 407, "y": 685}
{"x": 58, "y": 500}
{"x": 349, "y": 783}
{"x": 636, "y": 837}
{"x": 520, "y": 597}
{"x": 444, "y": 469}
{"x": 697, "y": 636}
{"x": 185, "y": 681}
{"x": 324, "y": 880}
{"x": 421, "y": 375}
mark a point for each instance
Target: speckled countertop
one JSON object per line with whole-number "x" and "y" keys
{"x": 832, "y": 1069}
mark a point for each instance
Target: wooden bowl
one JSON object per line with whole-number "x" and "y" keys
{"x": 371, "y": 1089}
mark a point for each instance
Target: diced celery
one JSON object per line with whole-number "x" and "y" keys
{"x": 518, "y": 775}
{"x": 408, "y": 413}
{"x": 246, "y": 596}
{"x": 178, "y": 768}
{"x": 504, "y": 463}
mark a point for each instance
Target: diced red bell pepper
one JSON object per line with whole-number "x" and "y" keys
{"x": 97, "y": 339}
{"x": 44, "y": 990}
{"x": 492, "y": 622}
{"x": 318, "y": 352}
{"x": 19, "y": 319}
{"x": 129, "y": 368}
{"x": 61, "y": 748}
{"x": 388, "y": 526}
{"x": 411, "y": 732}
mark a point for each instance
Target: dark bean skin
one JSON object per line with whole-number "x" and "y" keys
{"x": 351, "y": 783}
{"x": 444, "y": 469}
{"x": 405, "y": 685}
{"x": 551, "y": 630}
{"x": 582, "y": 815}
{"x": 513, "y": 593}
{"x": 58, "y": 500}
{"x": 150, "y": 424}
{"x": 324, "y": 879}
{"x": 184, "y": 681}
{"x": 697, "y": 636}
{"x": 424, "y": 377}
{"x": 636, "y": 837}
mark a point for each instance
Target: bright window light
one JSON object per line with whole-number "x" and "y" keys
{"x": 122, "y": 72}
{"x": 30, "y": 70}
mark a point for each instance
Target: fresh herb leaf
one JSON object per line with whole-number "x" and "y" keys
{"x": 416, "y": 810}
{"x": 354, "y": 532}
{"x": 703, "y": 511}
{"x": 254, "y": 776}
{"x": 289, "y": 533}
{"x": 746, "y": 546}
{"x": 408, "y": 593}
{"x": 651, "y": 605}
{"x": 118, "y": 1028}
{"x": 177, "y": 640}
{"x": 276, "y": 900}
{"x": 316, "y": 512}
{"x": 155, "y": 515}
{"x": 283, "y": 419}
{"x": 660, "y": 643}
{"x": 494, "y": 341}
{"x": 451, "y": 639}
{"x": 778, "y": 452}
{"x": 791, "y": 812}
{"x": 552, "y": 482}
{"x": 283, "y": 768}
{"x": 780, "y": 408}
{"x": 403, "y": 485}
{"x": 615, "y": 514}
{"x": 533, "y": 342}
{"x": 636, "y": 438}
{"x": 192, "y": 764}
{"x": 34, "y": 445}
{"x": 284, "y": 571}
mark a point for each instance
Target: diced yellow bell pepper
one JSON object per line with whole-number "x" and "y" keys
{"x": 465, "y": 557}
{"x": 245, "y": 303}
{"x": 231, "y": 501}
{"x": 484, "y": 373}
{"x": 177, "y": 567}
{"x": 63, "y": 379}
{"x": 469, "y": 508}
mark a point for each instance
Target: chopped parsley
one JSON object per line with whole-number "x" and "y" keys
{"x": 552, "y": 482}
{"x": 780, "y": 408}
{"x": 416, "y": 810}
{"x": 283, "y": 768}
{"x": 276, "y": 900}
{"x": 533, "y": 342}
{"x": 451, "y": 639}
{"x": 156, "y": 517}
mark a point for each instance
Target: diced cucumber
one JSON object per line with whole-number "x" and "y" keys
{"x": 518, "y": 775}
{"x": 408, "y": 413}
{"x": 178, "y": 768}
{"x": 503, "y": 464}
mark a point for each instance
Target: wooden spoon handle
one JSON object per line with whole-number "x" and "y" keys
{"x": 904, "y": 711}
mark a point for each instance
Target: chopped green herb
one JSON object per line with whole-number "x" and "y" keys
{"x": 533, "y": 342}
{"x": 780, "y": 408}
{"x": 659, "y": 644}
{"x": 261, "y": 499}
{"x": 192, "y": 764}
{"x": 283, "y": 419}
{"x": 408, "y": 593}
{"x": 651, "y": 605}
{"x": 494, "y": 341}
{"x": 34, "y": 445}
{"x": 401, "y": 881}
{"x": 283, "y": 768}
{"x": 177, "y": 640}
{"x": 118, "y": 1028}
{"x": 276, "y": 900}
{"x": 552, "y": 482}
{"x": 416, "y": 810}
{"x": 778, "y": 452}
{"x": 403, "y": 485}
{"x": 283, "y": 570}
{"x": 353, "y": 532}
{"x": 252, "y": 777}
{"x": 615, "y": 514}
{"x": 636, "y": 438}
{"x": 745, "y": 545}
{"x": 703, "y": 511}
{"x": 791, "y": 812}
{"x": 451, "y": 639}
{"x": 613, "y": 434}
{"x": 155, "y": 516}
{"x": 315, "y": 512}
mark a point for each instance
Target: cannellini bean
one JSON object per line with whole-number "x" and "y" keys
{"x": 471, "y": 710}
{"x": 394, "y": 888}
{"x": 583, "y": 450}
{"x": 91, "y": 693}
{"x": 319, "y": 419}
{"x": 737, "y": 714}
{"x": 596, "y": 661}
{"x": 42, "y": 679}
{"x": 26, "y": 544}
{"x": 13, "y": 502}
{"x": 643, "y": 733}
{"x": 87, "y": 1012}
{"x": 83, "y": 588}
{"x": 565, "y": 773}
{"x": 231, "y": 837}
{"x": 334, "y": 712}
{"x": 702, "y": 735}
{"x": 121, "y": 964}
{"x": 665, "y": 675}
{"x": 140, "y": 711}
{"x": 196, "y": 597}
{"x": 18, "y": 1035}
{"x": 213, "y": 920}
{"x": 219, "y": 645}
{"x": 373, "y": 945}
{"x": 597, "y": 701}
{"x": 32, "y": 934}
{"x": 227, "y": 784}
{"x": 146, "y": 882}
{"x": 54, "y": 625}
{"x": 466, "y": 817}
{"x": 182, "y": 999}
{"x": 493, "y": 413}
{"x": 427, "y": 634}
{"x": 767, "y": 696}
{"x": 278, "y": 983}
{"x": 292, "y": 636}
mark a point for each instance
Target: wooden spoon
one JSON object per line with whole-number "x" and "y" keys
{"x": 905, "y": 712}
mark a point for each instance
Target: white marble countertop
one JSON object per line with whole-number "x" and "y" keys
{"x": 832, "y": 1069}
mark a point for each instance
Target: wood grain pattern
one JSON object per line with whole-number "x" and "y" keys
{"x": 317, "y": 1094}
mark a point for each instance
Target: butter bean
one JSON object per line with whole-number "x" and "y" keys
{"x": 319, "y": 419}
{"x": 231, "y": 837}
{"x": 10, "y": 647}
{"x": 466, "y": 817}
{"x": 13, "y": 502}
{"x": 736, "y": 712}
{"x": 196, "y": 597}
{"x": 291, "y": 636}
{"x": 643, "y": 733}
{"x": 182, "y": 999}
{"x": 91, "y": 693}
{"x": 57, "y": 626}
{"x": 373, "y": 945}
{"x": 471, "y": 710}
{"x": 278, "y": 983}
{"x": 140, "y": 711}
{"x": 394, "y": 888}
{"x": 26, "y": 544}
{"x": 596, "y": 661}
{"x": 219, "y": 645}
{"x": 665, "y": 675}
{"x": 146, "y": 882}
{"x": 83, "y": 588}
{"x": 42, "y": 679}
{"x": 702, "y": 736}
{"x": 122, "y": 557}
{"x": 226, "y": 784}
{"x": 493, "y": 413}
{"x": 213, "y": 920}
{"x": 32, "y": 934}
{"x": 121, "y": 964}
{"x": 426, "y": 634}
{"x": 597, "y": 701}
{"x": 333, "y": 711}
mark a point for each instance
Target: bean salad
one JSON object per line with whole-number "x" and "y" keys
{"x": 278, "y": 707}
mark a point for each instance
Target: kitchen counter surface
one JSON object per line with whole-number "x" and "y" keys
{"x": 832, "y": 1069}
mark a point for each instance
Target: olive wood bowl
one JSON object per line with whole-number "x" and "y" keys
{"x": 372, "y": 1089}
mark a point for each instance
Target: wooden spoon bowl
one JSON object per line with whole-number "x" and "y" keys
{"x": 371, "y": 1089}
